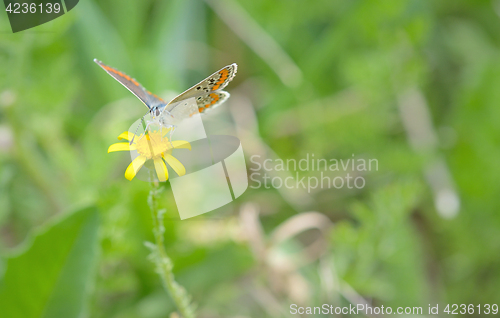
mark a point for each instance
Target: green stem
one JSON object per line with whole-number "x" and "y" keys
{"x": 163, "y": 263}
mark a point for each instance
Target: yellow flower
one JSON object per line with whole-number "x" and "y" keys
{"x": 153, "y": 145}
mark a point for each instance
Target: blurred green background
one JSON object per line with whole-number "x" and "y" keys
{"x": 413, "y": 84}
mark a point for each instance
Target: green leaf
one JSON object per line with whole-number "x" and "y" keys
{"x": 51, "y": 277}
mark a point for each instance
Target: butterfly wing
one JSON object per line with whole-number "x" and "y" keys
{"x": 212, "y": 100}
{"x": 146, "y": 97}
{"x": 186, "y": 108}
{"x": 215, "y": 82}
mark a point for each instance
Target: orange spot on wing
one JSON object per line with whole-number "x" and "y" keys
{"x": 157, "y": 97}
{"x": 200, "y": 109}
{"x": 112, "y": 70}
{"x": 215, "y": 87}
{"x": 222, "y": 79}
{"x": 215, "y": 97}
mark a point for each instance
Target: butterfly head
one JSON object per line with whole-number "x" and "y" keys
{"x": 155, "y": 112}
{"x": 160, "y": 116}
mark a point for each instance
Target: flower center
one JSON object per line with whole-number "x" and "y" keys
{"x": 153, "y": 145}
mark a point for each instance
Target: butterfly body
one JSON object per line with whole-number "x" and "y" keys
{"x": 208, "y": 94}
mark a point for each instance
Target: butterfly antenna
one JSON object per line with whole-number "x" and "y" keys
{"x": 139, "y": 125}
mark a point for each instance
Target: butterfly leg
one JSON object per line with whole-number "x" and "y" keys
{"x": 166, "y": 120}
{"x": 170, "y": 130}
{"x": 170, "y": 136}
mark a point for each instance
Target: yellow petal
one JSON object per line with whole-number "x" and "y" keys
{"x": 127, "y": 135}
{"x": 175, "y": 164}
{"x": 178, "y": 144}
{"x": 121, "y": 146}
{"x": 161, "y": 169}
{"x": 134, "y": 166}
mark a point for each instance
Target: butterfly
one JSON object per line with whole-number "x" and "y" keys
{"x": 208, "y": 94}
